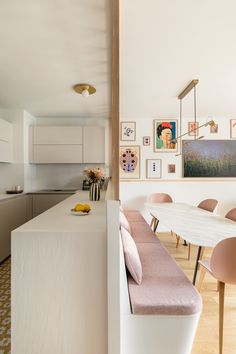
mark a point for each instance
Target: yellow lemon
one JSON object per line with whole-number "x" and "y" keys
{"x": 79, "y": 207}
{"x": 87, "y": 208}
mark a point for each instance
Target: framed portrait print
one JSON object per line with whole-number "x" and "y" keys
{"x": 165, "y": 133}
{"x": 193, "y": 128}
{"x": 146, "y": 140}
{"x": 127, "y": 131}
{"x": 153, "y": 168}
{"x": 233, "y": 128}
{"x": 129, "y": 162}
{"x": 214, "y": 129}
{"x": 171, "y": 168}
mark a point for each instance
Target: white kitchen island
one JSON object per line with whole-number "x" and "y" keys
{"x": 59, "y": 281}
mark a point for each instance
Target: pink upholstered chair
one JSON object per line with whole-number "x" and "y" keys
{"x": 231, "y": 214}
{"x": 222, "y": 266}
{"x": 209, "y": 205}
{"x": 158, "y": 198}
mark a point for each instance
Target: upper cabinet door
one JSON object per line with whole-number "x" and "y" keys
{"x": 68, "y": 135}
{"x": 6, "y": 144}
{"x": 94, "y": 145}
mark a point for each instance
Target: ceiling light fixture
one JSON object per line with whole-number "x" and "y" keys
{"x": 186, "y": 90}
{"x": 84, "y": 89}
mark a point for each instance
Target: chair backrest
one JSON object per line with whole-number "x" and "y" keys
{"x": 231, "y": 214}
{"x": 208, "y": 204}
{"x": 223, "y": 261}
{"x": 159, "y": 198}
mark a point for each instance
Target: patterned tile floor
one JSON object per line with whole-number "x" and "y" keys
{"x": 5, "y": 307}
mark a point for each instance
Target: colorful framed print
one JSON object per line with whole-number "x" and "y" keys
{"x": 165, "y": 133}
{"x": 233, "y": 128}
{"x": 153, "y": 168}
{"x": 127, "y": 131}
{"x": 214, "y": 128}
{"x": 146, "y": 140}
{"x": 209, "y": 158}
{"x": 129, "y": 162}
{"x": 171, "y": 168}
{"x": 193, "y": 128}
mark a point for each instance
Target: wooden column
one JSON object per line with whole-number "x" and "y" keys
{"x": 115, "y": 139}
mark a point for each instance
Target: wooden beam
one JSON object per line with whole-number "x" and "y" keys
{"x": 115, "y": 121}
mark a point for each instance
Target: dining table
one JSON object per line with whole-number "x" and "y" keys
{"x": 195, "y": 225}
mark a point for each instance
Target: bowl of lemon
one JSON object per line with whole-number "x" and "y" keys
{"x": 81, "y": 209}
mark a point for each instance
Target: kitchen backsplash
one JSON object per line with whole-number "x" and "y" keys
{"x": 60, "y": 175}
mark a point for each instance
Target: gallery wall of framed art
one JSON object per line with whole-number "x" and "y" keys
{"x": 154, "y": 151}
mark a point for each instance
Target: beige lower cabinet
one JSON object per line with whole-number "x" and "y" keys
{"x": 13, "y": 213}
{"x": 43, "y": 202}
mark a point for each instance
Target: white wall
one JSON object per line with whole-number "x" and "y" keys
{"x": 163, "y": 46}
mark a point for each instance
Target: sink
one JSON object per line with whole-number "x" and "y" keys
{"x": 58, "y": 190}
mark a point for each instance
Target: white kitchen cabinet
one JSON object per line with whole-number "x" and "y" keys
{"x": 57, "y": 153}
{"x": 5, "y": 141}
{"x": 67, "y": 144}
{"x": 94, "y": 145}
{"x": 58, "y": 135}
{"x": 13, "y": 213}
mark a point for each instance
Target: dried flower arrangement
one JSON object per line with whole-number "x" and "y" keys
{"x": 95, "y": 175}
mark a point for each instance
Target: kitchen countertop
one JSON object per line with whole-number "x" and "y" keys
{"x": 5, "y": 196}
{"x": 59, "y": 218}
{"x": 59, "y": 280}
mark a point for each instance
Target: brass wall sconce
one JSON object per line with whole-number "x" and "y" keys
{"x": 84, "y": 89}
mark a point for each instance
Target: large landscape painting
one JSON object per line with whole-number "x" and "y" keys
{"x": 209, "y": 158}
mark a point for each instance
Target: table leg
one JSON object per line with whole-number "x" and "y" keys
{"x": 196, "y": 265}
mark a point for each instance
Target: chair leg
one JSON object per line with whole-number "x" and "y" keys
{"x": 155, "y": 225}
{"x": 221, "y": 315}
{"x": 152, "y": 222}
{"x": 177, "y": 241}
{"x": 202, "y": 252}
{"x": 201, "y": 278}
{"x": 189, "y": 251}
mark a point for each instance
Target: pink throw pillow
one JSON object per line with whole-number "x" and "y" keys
{"x": 124, "y": 222}
{"x": 132, "y": 259}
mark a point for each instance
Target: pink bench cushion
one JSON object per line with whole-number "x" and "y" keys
{"x": 140, "y": 230}
{"x": 165, "y": 289}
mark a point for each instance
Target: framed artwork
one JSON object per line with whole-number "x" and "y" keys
{"x": 214, "y": 128}
{"x": 146, "y": 140}
{"x": 193, "y": 128}
{"x": 233, "y": 128}
{"x": 127, "y": 131}
{"x": 171, "y": 168}
{"x": 209, "y": 158}
{"x": 165, "y": 133}
{"x": 153, "y": 168}
{"x": 129, "y": 162}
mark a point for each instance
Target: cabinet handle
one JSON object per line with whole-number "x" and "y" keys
{"x": 4, "y": 139}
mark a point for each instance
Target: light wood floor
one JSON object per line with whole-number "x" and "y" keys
{"x": 206, "y": 341}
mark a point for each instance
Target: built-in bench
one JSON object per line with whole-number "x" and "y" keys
{"x": 160, "y": 315}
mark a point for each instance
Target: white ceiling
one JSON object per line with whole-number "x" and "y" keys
{"x": 167, "y": 43}
{"x": 46, "y": 47}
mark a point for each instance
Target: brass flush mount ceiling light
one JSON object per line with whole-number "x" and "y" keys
{"x": 84, "y": 89}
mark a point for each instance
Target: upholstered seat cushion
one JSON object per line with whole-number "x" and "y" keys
{"x": 140, "y": 230}
{"x": 165, "y": 289}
